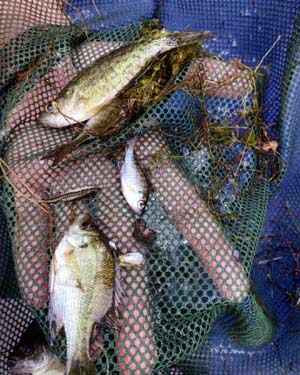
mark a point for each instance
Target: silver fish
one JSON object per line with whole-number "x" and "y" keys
{"x": 134, "y": 185}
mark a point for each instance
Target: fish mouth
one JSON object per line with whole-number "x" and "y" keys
{"x": 41, "y": 121}
{"x": 86, "y": 223}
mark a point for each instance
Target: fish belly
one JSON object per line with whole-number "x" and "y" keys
{"x": 82, "y": 295}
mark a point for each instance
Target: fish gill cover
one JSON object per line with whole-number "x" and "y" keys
{"x": 214, "y": 137}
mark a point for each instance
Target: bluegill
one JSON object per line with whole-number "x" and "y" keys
{"x": 82, "y": 283}
{"x": 134, "y": 184}
{"x": 40, "y": 362}
{"x": 85, "y": 289}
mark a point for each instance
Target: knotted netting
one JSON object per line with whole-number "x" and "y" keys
{"x": 218, "y": 291}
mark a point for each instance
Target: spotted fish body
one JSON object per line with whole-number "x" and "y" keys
{"x": 134, "y": 185}
{"x": 107, "y": 78}
{"x": 82, "y": 280}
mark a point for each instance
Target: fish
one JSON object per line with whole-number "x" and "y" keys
{"x": 109, "y": 121}
{"x": 85, "y": 289}
{"x": 39, "y": 362}
{"x": 72, "y": 195}
{"x": 84, "y": 284}
{"x": 132, "y": 260}
{"x": 149, "y": 87}
{"x": 134, "y": 185}
{"x": 104, "y": 80}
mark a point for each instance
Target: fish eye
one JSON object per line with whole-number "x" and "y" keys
{"x": 51, "y": 107}
{"x": 141, "y": 204}
{"x": 85, "y": 225}
{"x": 26, "y": 350}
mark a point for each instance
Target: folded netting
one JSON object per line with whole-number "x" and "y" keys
{"x": 203, "y": 301}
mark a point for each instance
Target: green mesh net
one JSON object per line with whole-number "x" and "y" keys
{"x": 206, "y": 154}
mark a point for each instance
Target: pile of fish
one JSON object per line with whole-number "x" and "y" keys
{"x": 84, "y": 283}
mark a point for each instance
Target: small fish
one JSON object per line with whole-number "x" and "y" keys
{"x": 83, "y": 286}
{"x": 133, "y": 260}
{"x": 39, "y": 362}
{"x": 134, "y": 185}
{"x": 72, "y": 195}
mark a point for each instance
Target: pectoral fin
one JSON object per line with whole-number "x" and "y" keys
{"x": 131, "y": 260}
{"x": 55, "y": 327}
{"x": 118, "y": 290}
{"x": 60, "y": 152}
{"x": 110, "y": 319}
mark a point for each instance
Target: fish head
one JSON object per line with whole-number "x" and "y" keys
{"x": 66, "y": 110}
{"x": 54, "y": 116}
{"x": 84, "y": 224}
{"x": 82, "y": 232}
{"x": 30, "y": 362}
{"x": 139, "y": 206}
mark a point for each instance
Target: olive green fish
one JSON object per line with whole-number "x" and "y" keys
{"x": 40, "y": 362}
{"x": 111, "y": 119}
{"x": 100, "y": 83}
{"x": 84, "y": 284}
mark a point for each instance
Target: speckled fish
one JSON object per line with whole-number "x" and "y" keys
{"x": 83, "y": 286}
{"x": 40, "y": 362}
{"x": 134, "y": 184}
{"x": 103, "y": 81}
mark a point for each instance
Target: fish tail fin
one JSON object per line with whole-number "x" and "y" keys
{"x": 77, "y": 368}
{"x": 60, "y": 152}
{"x": 131, "y": 143}
{"x": 190, "y": 37}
